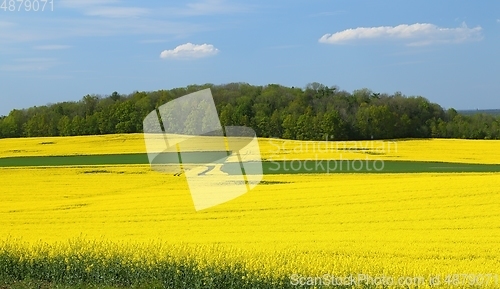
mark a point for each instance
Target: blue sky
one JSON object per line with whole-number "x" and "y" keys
{"x": 446, "y": 51}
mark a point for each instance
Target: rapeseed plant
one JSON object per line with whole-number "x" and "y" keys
{"x": 131, "y": 226}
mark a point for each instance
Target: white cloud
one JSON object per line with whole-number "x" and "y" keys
{"x": 190, "y": 50}
{"x": 29, "y": 64}
{"x": 60, "y": 29}
{"x": 117, "y": 12}
{"x": 104, "y": 18}
{"x": 413, "y": 35}
{"x": 116, "y": 8}
{"x": 86, "y": 3}
{"x": 5, "y": 24}
{"x": 20, "y": 32}
{"x": 207, "y": 7}
{"x": 105, "y": 8}
{"x": 51, "y": 47}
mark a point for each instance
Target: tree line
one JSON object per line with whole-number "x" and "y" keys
{"x": 315, "y": 112}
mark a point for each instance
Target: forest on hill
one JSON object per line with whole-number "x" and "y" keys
{"x": 310, "y": 113}
{"x": 494, "y": 112}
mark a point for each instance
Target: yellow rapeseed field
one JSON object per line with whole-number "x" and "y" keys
{"x": 421, "y": 224}
{"x": 76, "y": 145}
{"x": 446, "y": 150}
{"x": 399, "y": 224}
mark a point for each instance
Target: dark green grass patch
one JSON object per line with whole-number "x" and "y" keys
{"x": 112, "y": 159}
{"x": 80, "y": 160}
{"x": 268, "y": 167}
{"x": 344, "y": 166}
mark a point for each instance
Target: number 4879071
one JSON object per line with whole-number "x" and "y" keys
{"x": 26, "y": 5}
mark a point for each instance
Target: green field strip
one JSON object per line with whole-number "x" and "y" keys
{"x": 112, "y": 159}
{"x": 370, "y": 166}
{"x": 78, "y": 160}
{"x": 268, "y": 167}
